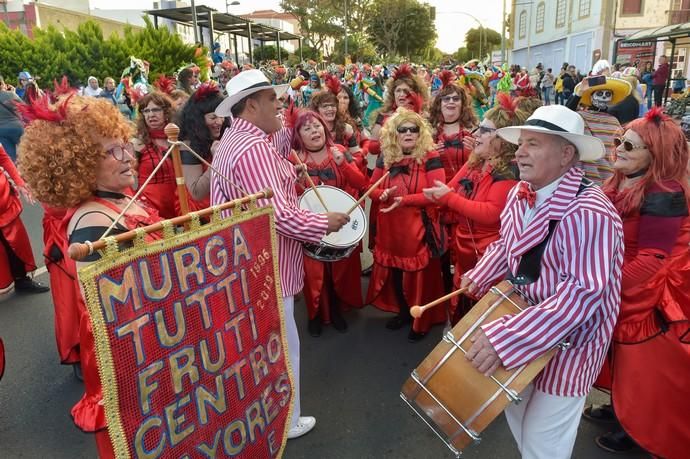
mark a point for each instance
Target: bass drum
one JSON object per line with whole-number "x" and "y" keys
{"x": 339, "y": 245}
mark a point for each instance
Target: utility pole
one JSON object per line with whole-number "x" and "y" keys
{"x": 503, "y": 33}
{"x": 346, "y": 40}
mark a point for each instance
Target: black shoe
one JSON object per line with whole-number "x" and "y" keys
{"x": 398, "y": 322}
{"x": 367, "y": 272}
{"x": 413, "y": 336}
{"x": 601, "y": 414}
{"x": 616, "y": 442}
{"x": 314, "y": 327}
{"x": 338, "y": 321}
{"x": 28, "y": 285}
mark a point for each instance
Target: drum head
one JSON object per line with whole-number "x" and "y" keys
{"x": 337, "y": 201}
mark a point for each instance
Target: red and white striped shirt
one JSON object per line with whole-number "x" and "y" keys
{"x": 577, "y": 296}
{"x": 247, "y": 157}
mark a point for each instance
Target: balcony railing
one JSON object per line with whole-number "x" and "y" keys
{"x": 678, "y": 16}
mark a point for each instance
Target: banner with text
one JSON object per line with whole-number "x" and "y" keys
{"x": 190, "y": 341}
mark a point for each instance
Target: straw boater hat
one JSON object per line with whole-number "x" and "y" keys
{"x": 620, "y": 89}
{"x": 245, "y": 84}
{"x": 561, "y": 121}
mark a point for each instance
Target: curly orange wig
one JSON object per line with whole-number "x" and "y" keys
{"x": 59, "y": 159}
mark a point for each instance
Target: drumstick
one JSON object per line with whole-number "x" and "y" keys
{"x": 417, "y": 311}
{"x": 368, "y": 192}
{"x": 311, "y": 182}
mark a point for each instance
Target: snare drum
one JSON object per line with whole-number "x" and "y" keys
{"x": 450, "y": 395}
{"x": 339, "y": 245}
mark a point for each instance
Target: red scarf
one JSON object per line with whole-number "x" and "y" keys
{"x": 157, "y": 134}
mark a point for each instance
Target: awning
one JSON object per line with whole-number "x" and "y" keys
{"x": 665, "y": 33}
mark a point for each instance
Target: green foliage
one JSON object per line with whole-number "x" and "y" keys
{"x": 83, "y": 52}
{"x": 269, "y": 52}
{"x": 358, "y": 47}
{"x": 490, "y": 40}
{"x": 401, "y": 27}
{"x": 309, "y": 52}
{"x": 462, "y": 55}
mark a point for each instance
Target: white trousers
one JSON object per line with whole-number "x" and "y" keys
{"x": 293, "y": 352}
{"x": 545, "y": 426}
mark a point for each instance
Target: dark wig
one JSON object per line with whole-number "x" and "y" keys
{"x": 353, "y": 110}
{"x": 193, "y": 129}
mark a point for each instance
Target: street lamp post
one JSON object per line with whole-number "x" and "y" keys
{"x": 345, "y": 57}
{"x": 228, "y": 4}
{"x": 481, "y": 27}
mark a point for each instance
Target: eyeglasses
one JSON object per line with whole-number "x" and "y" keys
{"x": 121, "y": 152}
{"x": 329, "y": 106}
{"x": 404, "y": 129}
{"x": 483, "y": 130}
{"x": 627, "y": 145}
{"x": 150, "y": 111}
{"x": 450, "y": 98}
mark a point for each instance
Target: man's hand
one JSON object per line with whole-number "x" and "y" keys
{"x": 466, "y": 282}
{"x": 483, "y": 355}
{"x": 336, "y": 220}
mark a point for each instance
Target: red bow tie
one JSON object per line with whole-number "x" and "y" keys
{"x": 524, "y": 192}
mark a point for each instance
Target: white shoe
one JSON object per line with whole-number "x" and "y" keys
{"x": 304, "y": 425}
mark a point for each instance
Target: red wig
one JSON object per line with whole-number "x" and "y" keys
{"x": 303, "y": 117}
{"x": 669, "y": 158}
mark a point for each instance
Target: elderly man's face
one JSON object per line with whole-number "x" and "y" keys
{"x": 542, "y": 158}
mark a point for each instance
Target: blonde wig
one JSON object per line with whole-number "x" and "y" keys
{"x": 61, "y": 151}
{"x": 390, "y": 148}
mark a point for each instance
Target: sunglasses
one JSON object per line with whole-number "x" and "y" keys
{"x": 483, "y": 130}
{"x": 627, "y": 145}
{"x": 450, "y": 98}
{"x": 121, "y": 152}
{"x": 404, "y": 129}
{"x": 149, "y": 111}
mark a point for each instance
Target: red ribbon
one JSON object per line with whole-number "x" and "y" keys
{"x": 525, "y": 192}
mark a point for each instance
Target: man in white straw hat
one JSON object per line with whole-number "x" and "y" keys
{"x": 253, "y": 155}
{"x": 561, "y": 245}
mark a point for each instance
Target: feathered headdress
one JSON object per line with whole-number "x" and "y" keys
{"x": 207, "y": 89}
{"x": 332, "y": 83}
{"x": 447, "y": 77}
{"x": 403, "y": 71}
{"x": 41, "y": 109}
{"x": 291, "y": 114}
{"x": 656, "y": 115}
{"x": 507, "y": 103}
{"x": 165, "y": 84}
{"x": 60, "y": 89}
{"x": 416, "y": 100}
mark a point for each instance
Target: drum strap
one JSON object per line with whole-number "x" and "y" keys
{"x": 529, "y": 268}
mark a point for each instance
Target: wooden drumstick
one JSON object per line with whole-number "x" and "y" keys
{"x": 311, "y": 182}
{"x": 368, "y": 192}
{"x": 417, "y": 311}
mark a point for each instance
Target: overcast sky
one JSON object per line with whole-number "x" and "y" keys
{"x": 451, "y": 26}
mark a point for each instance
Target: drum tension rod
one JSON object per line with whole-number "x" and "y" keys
{"x": 511, "y": 394}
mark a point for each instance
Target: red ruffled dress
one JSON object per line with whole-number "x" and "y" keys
{"x": 89, "y": 414}
{"x": 477, "y": 203}
{"x": 650, "y": 351}
{"x": 189, "y": 159}
{"x": 161, "y": 192}
{"x": 401, "y": 242}
{"x": 341, "y": 278}
{"x": 11, "y": 226}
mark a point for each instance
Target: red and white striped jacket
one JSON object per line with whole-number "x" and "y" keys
{"x": 251, "y": 160}
{"x": 577, "y": 296}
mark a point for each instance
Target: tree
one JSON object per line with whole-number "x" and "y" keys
{"x": 317, "y": 20}
{"x": 359, "y": 49}
{"x": 490, "y": 39}
{"x": 268, "y": 53}
{"x": 402, "y": 27}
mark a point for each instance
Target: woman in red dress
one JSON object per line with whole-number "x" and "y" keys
{"x": 150, "y": 144}
{"x": 89, "y": 176}
{"x": 200, "y": 128}
{"x": 329, "y": 287}
{"x": 649, "y": 363}
{"x": 477, "y": 194}
{"x": 408, "y": 246}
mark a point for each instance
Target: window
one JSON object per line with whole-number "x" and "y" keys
{"x": 585, "y": 6}
{"x": 540, "y": 17}
{"x": 631, "y": 7}
{"x": 560, "y": 13}
{"x": 523, "y": 24}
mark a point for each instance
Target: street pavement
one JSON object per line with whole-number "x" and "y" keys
{"x": 350, "y": 383}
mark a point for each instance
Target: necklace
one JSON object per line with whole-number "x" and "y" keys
{"x": 639, "y": 173}
{"x": 109, "y": 194}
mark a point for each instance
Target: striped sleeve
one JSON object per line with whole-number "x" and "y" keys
{"x": 261, "y": 168}
{"x": 589, "y": 241}
{"x": 282, "y": 141}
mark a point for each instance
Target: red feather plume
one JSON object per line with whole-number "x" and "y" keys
{"x": 291, "y": 114}
{"x": 447, "y": 77}
{"x": 165, "y": 84}
{"x": 507, "y": 103}
{"x": 657, "y": 115}
{"x": 63, "y": 89}
{"x": 41, "y": 109}
{"x": 417, "y": 101}
{"x": 403, "y": 71}
{"x": 332, "y": 83}
{"x": 206, "y": 90}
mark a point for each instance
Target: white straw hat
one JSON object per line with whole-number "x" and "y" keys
{"x": 243, "y": 84}
{"x": 561, "y": 121}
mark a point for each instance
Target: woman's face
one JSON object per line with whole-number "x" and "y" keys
{"x": 93, "y": 83}
{"x": 179, "y": 103}
{"x": 214, "y": 124}
{"x": 110, "y": 85}
{"x": 313, "y": 135}
{"x": 451, "y": 105}
{"x": 408, "y": 134}
{"x": 343, "y": 102}
{"x": 487, "y": 143}
{"x": 400, "y": 94}
{"x": 154, "y": 116}
{"x": 635, "y": 160}
{"x": 328, "y": 111}
{"x": 194, "y": 80}
{"x": 115, "y": 171}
